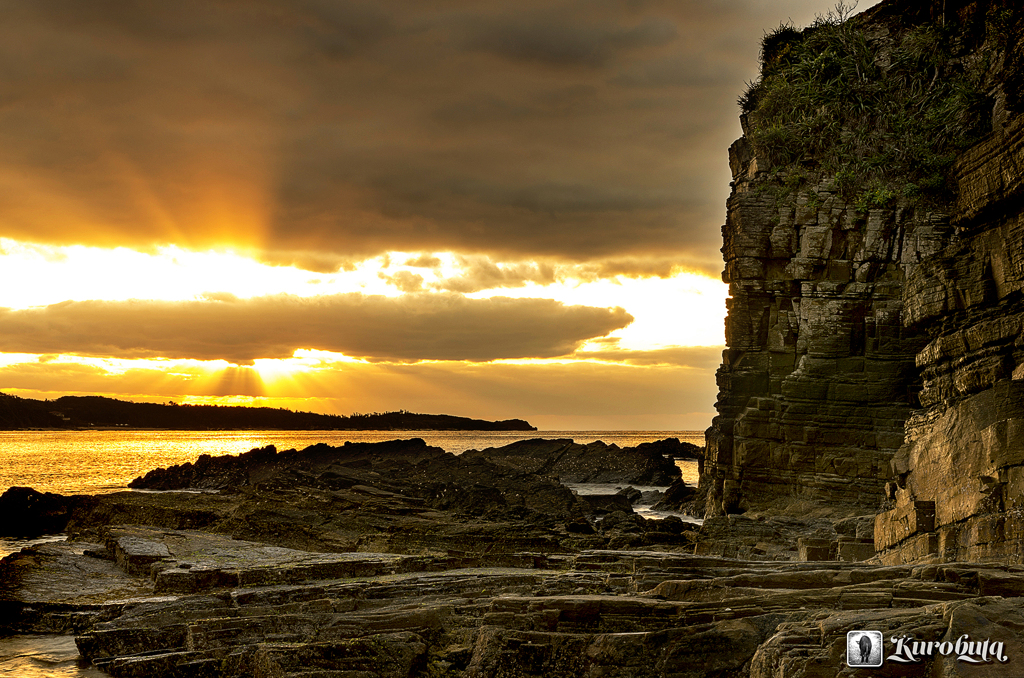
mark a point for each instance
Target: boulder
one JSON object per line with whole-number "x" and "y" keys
{"x": 632, "y": 494}
{"x": 672, "y": 447}
{"x": 600, "y": 504}
{"x": 592, "y": 463}
{"x": 24, "y": 512}
{"x": 676, "y": 494}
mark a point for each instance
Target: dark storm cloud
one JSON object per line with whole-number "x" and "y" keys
{"x": 557, "y": 39}
{"x": 318, "y": 132}
{"x": 409, "y": 328}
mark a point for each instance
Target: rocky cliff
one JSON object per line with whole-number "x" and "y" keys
{"x": 875, "y": 256}
{"x": 964, "y": 450}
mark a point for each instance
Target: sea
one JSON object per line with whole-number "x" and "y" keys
{"x": 99, "y": 461}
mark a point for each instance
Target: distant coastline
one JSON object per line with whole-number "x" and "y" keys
{"x": 98, "y": 412}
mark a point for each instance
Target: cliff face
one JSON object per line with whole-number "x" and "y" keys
{"x": 963, "y": 460}
{"x": 875, "y": 353}
{"x": 814, "y": 384}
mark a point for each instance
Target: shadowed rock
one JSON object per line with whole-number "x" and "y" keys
{"x": 592, "y": 463}
{"x": 24, "y": 512}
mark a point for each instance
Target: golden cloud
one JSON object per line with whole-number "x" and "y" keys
{"x": 408, "y": 328}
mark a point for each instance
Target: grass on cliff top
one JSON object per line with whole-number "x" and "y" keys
{"x": 884, "y": 117}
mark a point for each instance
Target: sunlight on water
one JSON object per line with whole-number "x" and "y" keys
{"x": 688, "y": 471}
{"x": 9, "y": 545}
{"x": 39, "y": 656}
{"x": 91, "y": 462}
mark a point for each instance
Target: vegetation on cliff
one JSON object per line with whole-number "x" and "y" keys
{"x": 85, "y": 411}
{"x": 882, "y": 113}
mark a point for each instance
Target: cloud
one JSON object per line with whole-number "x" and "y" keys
{"x": 423, "y": 261}
{"x": 479, "y": 273}
{"x": 555, "y": 39}
{"x": 409, "y": 328}
{"x": 405, "y": 281}
{"x": 219, "y": 296}
{"x": 697, "y": 357}
{"x": 319, "y": 132}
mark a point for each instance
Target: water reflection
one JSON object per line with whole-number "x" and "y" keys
{"x": 9, "y": 545}
{"x": 43, "y": 656}
{"x": 93, "y": 462}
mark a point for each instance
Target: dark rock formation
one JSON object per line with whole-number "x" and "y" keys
{"x": 397, "y": 559}
{"x": 599, "y": 504}
{"x": 677, "y": 497}
{"x": 257, "y": 465}
{"x": 596, "y": 462}
{"x": 631, "y": 494}
{"x": 24, "y": 512}
{"x": 873, "y": 333}
{"x": 400, "y": 496}
{"x": 672, "y": 447}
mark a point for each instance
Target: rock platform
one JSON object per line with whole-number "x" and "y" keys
{"x": 190, "y": 603}
{"x": 399, "y": 560}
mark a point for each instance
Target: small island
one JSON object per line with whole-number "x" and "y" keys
{"x": 71, "y": 412}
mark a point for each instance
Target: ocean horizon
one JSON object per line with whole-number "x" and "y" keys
{"x": 106, "y": 460}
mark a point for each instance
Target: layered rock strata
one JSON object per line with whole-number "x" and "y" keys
{"x": 815, "y": 383}
{"x": 874, "y": 345}
{"x": 165, "y": 603}
{"x": 814, "y": 380}
{"x": 963, "y": 462}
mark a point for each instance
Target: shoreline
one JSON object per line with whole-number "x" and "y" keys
{"x": 104, "y": 461}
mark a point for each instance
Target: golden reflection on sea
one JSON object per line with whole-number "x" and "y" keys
{"x": 98, "y": 461}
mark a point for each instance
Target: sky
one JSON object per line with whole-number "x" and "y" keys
{"x": 488, "y": 209}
